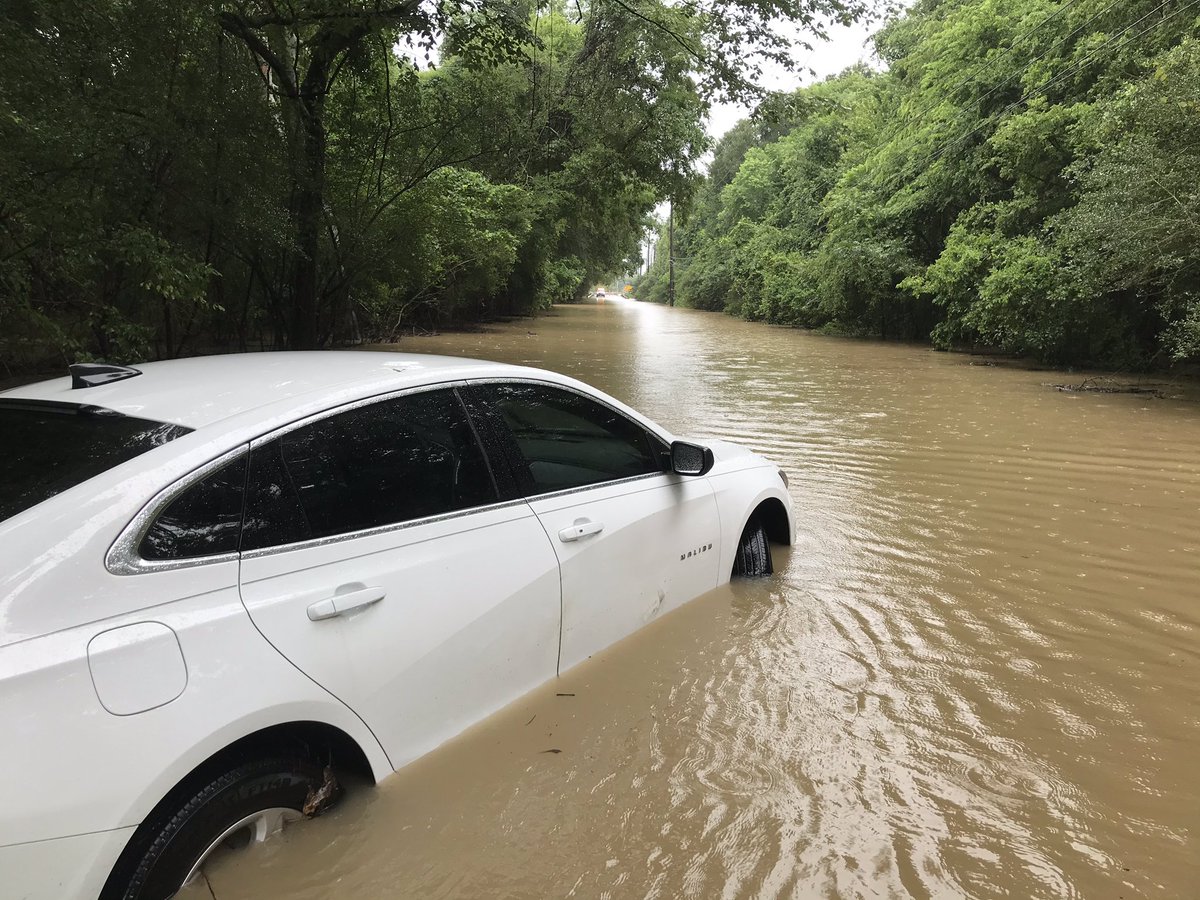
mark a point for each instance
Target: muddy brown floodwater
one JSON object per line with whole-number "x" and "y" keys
{"x": 977, "y": 673}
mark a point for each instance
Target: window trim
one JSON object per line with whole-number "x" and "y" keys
{"x": 123, "y": 557}
{"x": 564, "y": 492}
{"x": 452, "y": 387}
{"x": 312, "y": 543}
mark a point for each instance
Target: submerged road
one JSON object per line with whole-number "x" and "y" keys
{"x": 977, "y": 673}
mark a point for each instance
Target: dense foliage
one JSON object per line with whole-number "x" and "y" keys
{"x": 201, "y": 174}
{"x": 1025, "y": 175}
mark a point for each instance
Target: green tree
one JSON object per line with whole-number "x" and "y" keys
{"x": 980, "y": 191}
{"x": 183, "y": 177}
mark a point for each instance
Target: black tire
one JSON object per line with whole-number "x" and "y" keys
{"x": 170, "y": 842}
{"x": 753, "y": 559}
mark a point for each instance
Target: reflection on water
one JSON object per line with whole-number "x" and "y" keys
{"x": 975, "y": 675}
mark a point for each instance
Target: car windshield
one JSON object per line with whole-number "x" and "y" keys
{"x": 50, "y": 447}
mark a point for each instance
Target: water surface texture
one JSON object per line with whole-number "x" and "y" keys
{"x": 977, "y": 673}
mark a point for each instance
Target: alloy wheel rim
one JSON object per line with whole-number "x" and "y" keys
{"x": 262, "y": 824}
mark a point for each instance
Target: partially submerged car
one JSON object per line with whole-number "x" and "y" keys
{"x": 224, "y": 580}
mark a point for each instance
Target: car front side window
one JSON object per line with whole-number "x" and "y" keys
{"x": 568, "y": 441}
{"x": 381, "y": 464}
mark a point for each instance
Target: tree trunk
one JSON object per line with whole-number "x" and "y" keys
{"x": 273, "y": 43}
{"x": 309, "y": 181}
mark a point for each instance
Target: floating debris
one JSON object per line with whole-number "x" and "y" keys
{"x": 1101, "y": 385}
{"x": 322, "y": 798}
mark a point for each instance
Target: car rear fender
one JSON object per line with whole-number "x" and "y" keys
{"x": 71, "y": 765}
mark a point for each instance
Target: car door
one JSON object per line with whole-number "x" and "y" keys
{"x": 378, "y": 558}
{"x": 633, "y": 540}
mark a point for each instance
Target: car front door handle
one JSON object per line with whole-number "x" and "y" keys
{"x": 581, "y": 529}
{"x": 340, "y": 604}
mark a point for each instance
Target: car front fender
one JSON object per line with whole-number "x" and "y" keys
{"x": 739, "y": 496}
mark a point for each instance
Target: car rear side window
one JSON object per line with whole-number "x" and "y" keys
{"x": 568, "y": 440}
{"x": 380, "y": 464}
{"x": 205, "y": 520}
{"x": 48, "y": 448}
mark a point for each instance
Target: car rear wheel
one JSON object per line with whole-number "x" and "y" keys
{"x": 246, "y": 804}
{"x": 753, "y": 558}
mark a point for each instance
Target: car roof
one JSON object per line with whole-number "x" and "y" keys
{"x": 204, "y": 390}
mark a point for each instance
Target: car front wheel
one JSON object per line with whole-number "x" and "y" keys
{"x": 245, "y": 804}
{"x": 753, "y": 558}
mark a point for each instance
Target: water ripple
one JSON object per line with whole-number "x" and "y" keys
{"x": 974, "y": 675}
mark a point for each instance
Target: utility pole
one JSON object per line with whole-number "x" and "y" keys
{"x": 671, "y": 254}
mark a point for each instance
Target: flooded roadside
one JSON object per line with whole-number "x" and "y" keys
{"x": 975, "y": 675}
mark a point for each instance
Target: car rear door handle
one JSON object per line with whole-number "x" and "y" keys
{"x": 340, "y": 604}
{"x": 581, "y": 529}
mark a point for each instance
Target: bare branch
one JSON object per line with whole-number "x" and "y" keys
{"x": 393, "y": 11}
{"x": 674, "y": 35}
{"x": 240, "y": 28}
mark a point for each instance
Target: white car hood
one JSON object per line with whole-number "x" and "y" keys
{"x": 731, "y": 457}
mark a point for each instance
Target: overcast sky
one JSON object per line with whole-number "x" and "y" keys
{"x": 845, "y": 47}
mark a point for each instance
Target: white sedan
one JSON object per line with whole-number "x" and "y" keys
{"x": 224, "y": 580}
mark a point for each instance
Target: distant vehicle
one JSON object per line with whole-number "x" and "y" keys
{"x": 223, "y": 580}
{"x": 600, "y": 295}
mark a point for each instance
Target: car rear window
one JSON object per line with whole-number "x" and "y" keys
{"x": 47, "y": 448}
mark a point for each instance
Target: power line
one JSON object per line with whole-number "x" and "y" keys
{"x": 1020, "y": 37}
{"x": 1029, "y": 31}
{"x": 935, "y": 155}
{"x": 1006, "y": 82}
{"x": 1060, "y": 42}
{"x": 977, "y": 73}
{"x": 950, "y": 145}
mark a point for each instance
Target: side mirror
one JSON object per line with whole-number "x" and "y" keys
{"x": 690, "y": 459}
